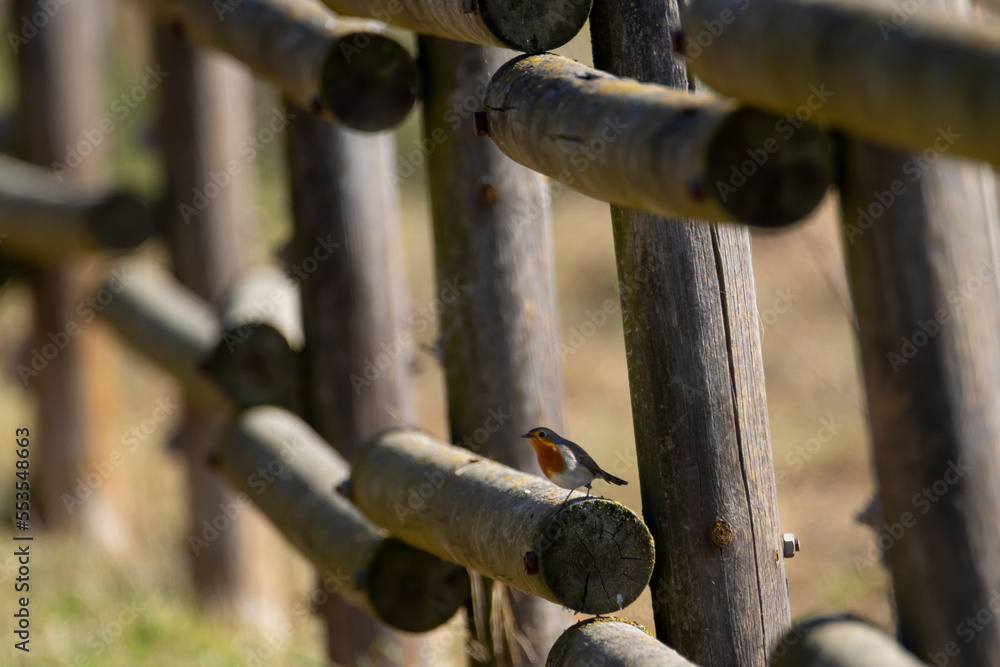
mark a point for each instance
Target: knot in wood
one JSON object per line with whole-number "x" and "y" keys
{"x": 530, "y": 562}
{"x": 722, "y": 534}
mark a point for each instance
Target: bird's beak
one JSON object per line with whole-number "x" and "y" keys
{"x": 526, "y": 435}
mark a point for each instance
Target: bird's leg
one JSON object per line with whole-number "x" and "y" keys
{"x": 588, "y": 490}
{"x": 567, "y": 496}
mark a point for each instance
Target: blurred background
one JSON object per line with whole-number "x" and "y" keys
{"x": 129, "y": 601}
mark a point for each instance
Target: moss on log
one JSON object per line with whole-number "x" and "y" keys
{"x": 839, "y": 641}
{"x": 256, "y": 362}
{"x": 290, "y": 473}
{"x": 345, "y": 68}
{"x": 523, "y": 25}
{"x": 167, "y": 322}
{"x": 43, "y": 220}
{"x": 900, "y": 74}
{"x": 593, "y": 556}
{"x": 650, "y": 147}
{"x": 611, "y": 642}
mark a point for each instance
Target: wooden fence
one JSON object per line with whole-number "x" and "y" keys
{"x": 271, "y": 365}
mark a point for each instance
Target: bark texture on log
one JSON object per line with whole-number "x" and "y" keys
{"x": 650, "y": 147}
{"x": 698, "y": 402}
{"x": 611, "y": 642}
{"x": 498, "y": 325}
{"x": 912, "y": 78}
{"x": 591, "y": 555}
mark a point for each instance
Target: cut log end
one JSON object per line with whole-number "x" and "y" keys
{"x": 121, "y": 222}
{"x": 766, "y": 171}
{"x": 595, "y": 556}
{"x": 254, "y": 365}
{"x": 534, "y": 27}
{"x": 369, "y": 82}
{"x": 413, "y": 590}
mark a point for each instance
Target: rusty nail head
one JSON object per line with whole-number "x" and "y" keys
{"x": 481, "y": 123}
{"x": 530, "y": 562}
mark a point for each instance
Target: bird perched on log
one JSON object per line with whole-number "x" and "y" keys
{"x": 565, "y": 463}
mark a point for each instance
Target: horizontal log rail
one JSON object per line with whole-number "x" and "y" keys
{"x": 911, "y": 78}
{"x": 345, "y": 68}
{"x": 290, "y": 473}
{"x": 840, "y": 641}
{"x": 167, "y": 323}
{"x": 256, "y": 361}
{"x": 607, "y": 640}
{"x": 594, "y": 556}
{"x": 649, "y": 147}
{"x": 523, "y": 25}
{"x": 43, "y": 220}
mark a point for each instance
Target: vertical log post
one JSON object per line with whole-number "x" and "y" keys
{"x": 62, "y": 96}
{"x": 698, "y": 404}
{"x": 205, "y": 114}
{"x": 493, "y": 248}
{"x": 346, "y": 257}
{"x": 923, "y": 269}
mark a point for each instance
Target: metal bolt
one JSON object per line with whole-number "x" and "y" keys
{"x": 790, "y": 544}
{"x": 481, "y": 123}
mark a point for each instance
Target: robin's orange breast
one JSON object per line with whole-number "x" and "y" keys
{"x": 549, "y": 458}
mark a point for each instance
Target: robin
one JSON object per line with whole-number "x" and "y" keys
{"x": 565, "y": 463}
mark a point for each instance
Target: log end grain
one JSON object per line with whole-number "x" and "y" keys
{"x": 121, "y": 222}
{"x": 369, "y": 82}
{"x": 596, "y": 556}
{"x": 413, "y": 590}
{"x": 254, "y": 365}
{"x": 534, "y": 26}
{"x": 767, "y": 171}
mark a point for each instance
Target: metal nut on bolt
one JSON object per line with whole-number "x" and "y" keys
{"x": 790, "y": 544}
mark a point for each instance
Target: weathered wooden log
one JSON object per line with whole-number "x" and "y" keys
{"x": 257, "y": 360}
{"x": 356, "y": 358}
{"x": 43, "y": 219}
{"x": 291, "y": 474}
{"x": 593, "y": 556}
{"x": 498, "y": 331}
{"x": 607, "y": 641}
{"x": 699, "y": 407}
{"x": 839, "y": 641}
{"x": 523, "y": 25}
{"x": 345, "y": 68}
{"x": 168, "y": 323}
{"x": 897, "y": 73}
{"x": 653, "y": 148}
{"x": 922, "y": 262}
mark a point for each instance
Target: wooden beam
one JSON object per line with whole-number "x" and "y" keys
{"x": 347, "y": 69}
{"x": 840, "y": 641}
{"x": 496, "y": 291}
{"x": 649, "y": 147}
{"x": 594, "y": 556}
{"x": 291, "y": 474}
{"x": 523, "y": 25}
{"x": 902, "y": 74}
{"x": 606, "y": 640}
{"x": 698, "y": 401}
{"x": 256, "y": 362}
{"x": 44, "y": 220}
{"x": 356, "y": 355}
{"x": 168, "y": 323}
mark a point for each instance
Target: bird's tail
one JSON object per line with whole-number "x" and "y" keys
{"x": 611, "y": 478}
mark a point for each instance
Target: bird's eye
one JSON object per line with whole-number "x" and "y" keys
{"x": 541, "y": 434}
